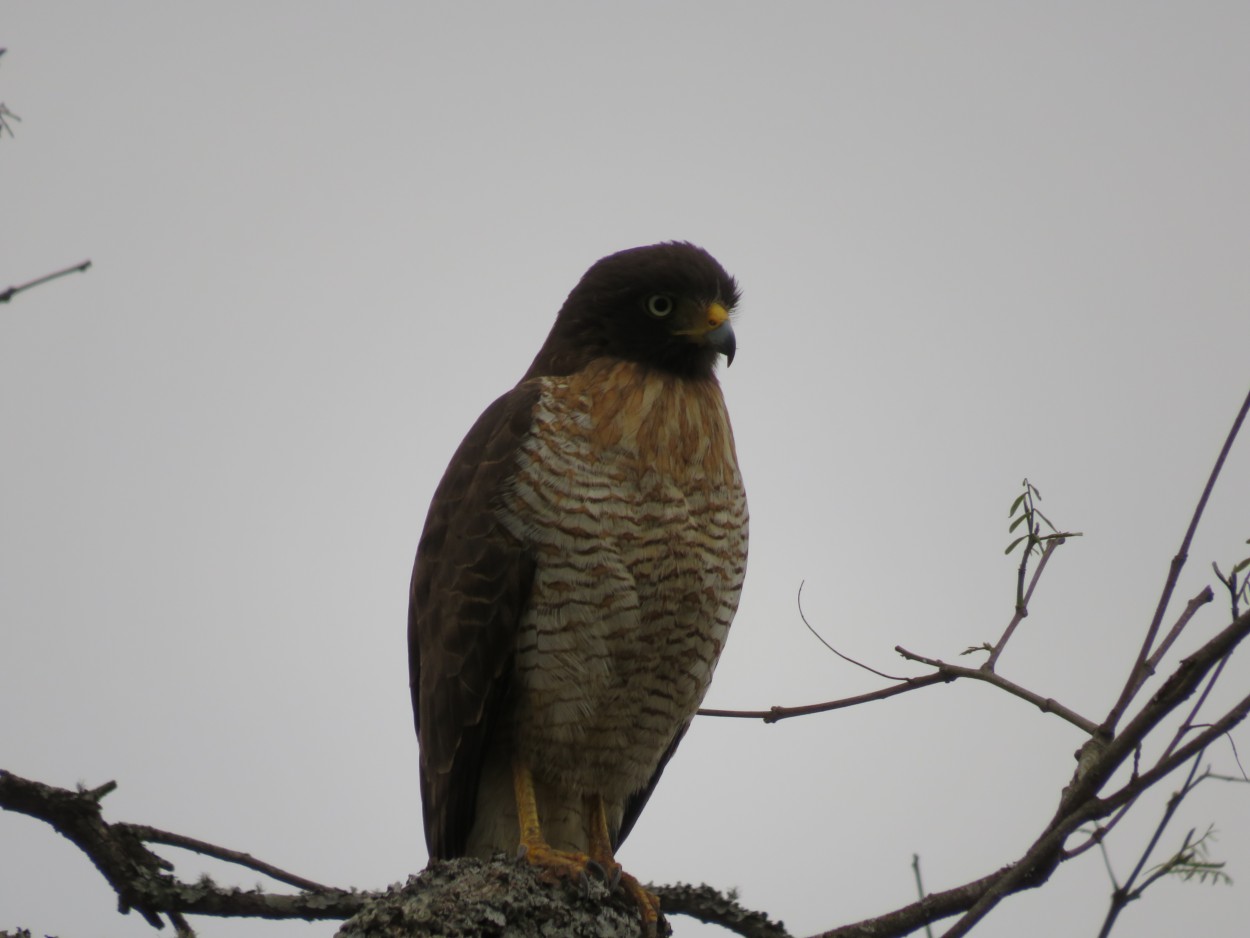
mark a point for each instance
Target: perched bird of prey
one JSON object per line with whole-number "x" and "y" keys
{"x": 580, "y": 566}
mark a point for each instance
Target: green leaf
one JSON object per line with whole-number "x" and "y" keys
{"x": 1012, "y": 545}
{"x": 1015, "y": 524}
{"x": 1014, "y": 505}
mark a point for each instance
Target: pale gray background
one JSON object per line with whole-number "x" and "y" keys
{"x": 977, "y": 241}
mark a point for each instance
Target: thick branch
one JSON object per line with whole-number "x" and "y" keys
{"x": 141, "y": 878}
{"x": 143, "y": 882}
{"x": 1175, "y": 690}
{"x": 708, "y": 905}
{"x": 1079, "y": 803}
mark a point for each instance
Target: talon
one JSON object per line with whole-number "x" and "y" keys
{"x": 648, "y": 903}
{"x": 570, "y": 865}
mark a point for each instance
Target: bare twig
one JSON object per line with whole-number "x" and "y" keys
{"x": 1022, "y": 608}
{"x": 1174, "y": 632}
{"x": 142, "y": 879}
{"x": 1040, "y": 861}
{"x": 775, "y": 714}
{"x": 1098, "y": 838}
{"x": 1121, "y": 896}
{"x": 143, "y": 882}
{"x": 5, "y": 116}
{"x": 152, "y": 835}
{"x": 6, "y": 295}
{"x": 847, "y": 658}
{"x": 943, "y": 673}
{"x": 1139, "y": 673}
{"x": 1079, "y": 804}
{"x": 1106, "y": 756}
{"x": 1236, "y": 591}
{"x": 915, "y": 868}
{"x": 1045, "y": 704}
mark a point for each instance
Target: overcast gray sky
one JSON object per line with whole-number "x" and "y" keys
{"x": 977, "y": 241}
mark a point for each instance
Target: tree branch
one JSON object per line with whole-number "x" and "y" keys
{"x": 1045, "y": 704}
{"x": 1139, "y": 673}
{"x": 774, "y": 714}
{"x": 708, "y": 905}
{"x": 152, "y": 835}
{"x": 143, "y": 882}
{"x": 943, "y": 673}
{"x": 1022, "y": 610}
{"x": 6, "y": 295}
{"x": 1121, "y": 896}
{"x": 1079, "y": 803}
{"x": 141, "y": 879}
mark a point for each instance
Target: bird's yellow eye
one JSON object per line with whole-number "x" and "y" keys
{"x": 659, "y": 305}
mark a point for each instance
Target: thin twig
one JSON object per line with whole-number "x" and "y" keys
{"x": 6, "y": 295}
{"x": 1022, "y": 609}
{"x": 182, "y": 927}
{"x": 1186, "y": 726}
{"x": 1045, "y": 704}
{"x": 1139, "y": 674}
{"x": 775, "y": 714}
{"x": 847, "y": 658}
{"x": 1046, "y": 853}
{"x": 154, "y": 836}
{"x": 1188, "y": 722}
{"x": 1182, "y": 620}
{"x": 1106, "y": 857}
{"x": 1165, "y": 767}
{"x": 945, "y": 673}
{"x": 1078, "y": 805}
{"x": 1191, "y": 782}
{"x": 915, "y": 868}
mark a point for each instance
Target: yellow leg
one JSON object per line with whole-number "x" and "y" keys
{"x": 534, "y": 846}
{"x": 601, "y": 852}
{"x": 563, "y": 864}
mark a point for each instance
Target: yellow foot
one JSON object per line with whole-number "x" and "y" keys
{"x": 648, "y": 903}
{"x": 566, "y": 865}
{"x": 553, "y": 863}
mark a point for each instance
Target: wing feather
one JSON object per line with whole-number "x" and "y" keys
{"x": 470, "y": 584}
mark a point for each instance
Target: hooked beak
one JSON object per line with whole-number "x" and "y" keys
{"x": 719, "y": 335}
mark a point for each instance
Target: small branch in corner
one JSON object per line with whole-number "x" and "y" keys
{"x": 6, "y": 295}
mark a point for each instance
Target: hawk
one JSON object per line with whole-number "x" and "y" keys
{"x": 580, "y": 565}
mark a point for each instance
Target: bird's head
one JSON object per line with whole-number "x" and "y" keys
{"x": 666, "y": 305}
